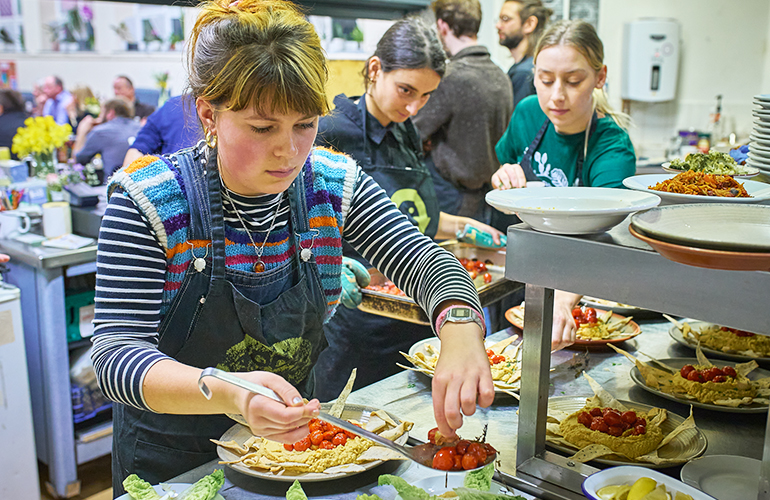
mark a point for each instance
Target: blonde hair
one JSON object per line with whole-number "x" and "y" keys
{"x": 582, "y": 36}
{"x": 80, "y": 94}
{"x": 257, "y": 53}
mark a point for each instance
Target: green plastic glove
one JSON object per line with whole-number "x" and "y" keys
{"x": 354, "y": 277}
{"x": 475, "y": 236}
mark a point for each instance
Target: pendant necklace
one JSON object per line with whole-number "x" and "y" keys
{"x": 259, "y": 266}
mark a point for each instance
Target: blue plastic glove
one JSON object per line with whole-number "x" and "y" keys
{"x": 475, "y": 236}
{"x": 354, "y": 277}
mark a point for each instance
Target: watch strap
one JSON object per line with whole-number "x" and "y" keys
{"x": 476, "y": 317}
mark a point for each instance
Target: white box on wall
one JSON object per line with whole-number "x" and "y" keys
{"x": 650, "y": 60}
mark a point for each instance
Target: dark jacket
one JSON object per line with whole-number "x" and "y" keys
{"x": 465, "y": 117}
{"x": 9, "y": 123}
{"x": 522, "y": 75}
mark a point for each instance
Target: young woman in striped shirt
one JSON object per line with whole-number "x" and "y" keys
{"x": 230, "y": 255}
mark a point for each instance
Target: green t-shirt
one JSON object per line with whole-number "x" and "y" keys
{"x": 610, "y": 157}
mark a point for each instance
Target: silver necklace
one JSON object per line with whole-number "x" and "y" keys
{"x": 259, "y": 266}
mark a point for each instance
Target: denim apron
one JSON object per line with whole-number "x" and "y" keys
{"x": 366, "y": 341}
{"x": 234, "y": 320}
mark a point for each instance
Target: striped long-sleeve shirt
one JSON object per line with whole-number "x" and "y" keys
{"x": 131, "y": 267}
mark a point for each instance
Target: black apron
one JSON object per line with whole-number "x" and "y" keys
{"x": 233, "y": 320}
{"x": 365, "y": 341}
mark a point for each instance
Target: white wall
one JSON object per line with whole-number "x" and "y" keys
{"x": 724, "y": 51}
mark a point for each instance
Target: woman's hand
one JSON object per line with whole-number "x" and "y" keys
{"x": 449, "y": 225}
{"x": 271, "y": 419}
{"x": 564, "y": 329}
{"x": 486, "y": 229}
{"x": 509, "y": 176}
{"x": 462, "y": 377}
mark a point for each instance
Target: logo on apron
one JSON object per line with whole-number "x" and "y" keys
{"x": 415, "y": 207}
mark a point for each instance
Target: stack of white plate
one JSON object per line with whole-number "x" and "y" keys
{"x": 759, "y": 147}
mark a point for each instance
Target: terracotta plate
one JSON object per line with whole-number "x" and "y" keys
{"x": 631, "y": 329}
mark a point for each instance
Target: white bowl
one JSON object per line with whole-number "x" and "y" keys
{"x": 628, "y": 474}
{"x": 759, "y": 191}
{"x": 571, "y": 210}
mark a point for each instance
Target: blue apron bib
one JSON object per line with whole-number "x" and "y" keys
{"x": 234, "y": 320}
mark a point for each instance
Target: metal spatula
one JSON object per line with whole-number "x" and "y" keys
{"x": 422, "y": 454}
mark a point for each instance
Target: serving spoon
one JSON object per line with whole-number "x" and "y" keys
{"x": 422, "y": 453}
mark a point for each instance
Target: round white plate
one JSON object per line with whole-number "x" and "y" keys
{"x": 628, "y": 474}
{"x": 759, "y": 157}
{"x": 752, "y": 171}
{"x": 718, "y": 226}
{"x": 761, "y": 134}
{"x": 500, "y": 387}
{"x": 724, "y": 477}
{"x": 676, "y": 334}
{"x": 678, "y": 363}
{"x": 571, "y": 210}
{"x": 759, "y": 191}
{"x": 241, "y": 433}
{"x": 178, "y": 487}
{"x": 761, "y": 153}
{"x": 755, "y": 139}
{"x": 755, "y": 146}
{"x": 682, "y": 448}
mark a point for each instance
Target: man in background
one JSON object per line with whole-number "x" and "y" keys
{"x": 171, "y": 127}
{"x": 519, "y": 27}
{"x": 57, "y": 100}
{"x": 109, "y": 135}
{"x": 466, "y": 115}
{"x": 124, "y": 87}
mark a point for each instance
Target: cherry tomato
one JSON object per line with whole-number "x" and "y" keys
{"x": 462, "y": 446}
{"x": 316, "y": 437}
{"x": 326, "y": 445}
{"x": 339, "y": 439}
{"x": 584, "y": 418}
{"x": 729, "y": 371}
{"x": 639, "y": 430}
{"x": 315, "y": 425}
{"x": 615, "y": 430}
{"x": 450, "y": 449}
{"x": 498, "y": 359}
{"x": 481, "y": 267}
{"x": 719, "y": 379}
{"x": 443, "y": 460}
{"x": 303, "y": 444}
{"x": 329, "y": 435}
{"x": 711, "y": 373}
{"x": 474, "y": 274}
{"x": 490, "y": 352}
{"x": 288, "y": 447}
{"x": 489, "y": 449}
{"x": 458, "y": 462}
{"x": 686, "y": 369}
{"x": 432, "y": 435}
{"x": 613, "y": 418}
{"x": 577, "y": 313}
{"x": 590, "y": 315}
{"x": 640, "y": 421}
{"x": 464, "y": 262}
{"x": 595, "y": 412}
{"x": 478, "y": 450}
{"x": 487, "y": 278}
{"x": 694, "y": 376}
{"x": 629, "y": 416}
{"x": 470, "y": 461}
{"x": 598, "y": 424}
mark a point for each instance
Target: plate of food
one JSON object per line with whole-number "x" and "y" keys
{"x": 616, "y": 307}
{"x": 614, "y": 432}
{"x": 719, "y": 385}
{"x": 721, "y": 341}
{"x": 712, "y": 162}
{"x": 697, "y": 187}
{"x": 206, "y": 488}
{"x": 725, "y": 477}
{"x": 345, "y": 455}
{"x": 504, "y": 361}
{"x": 617, "y": 483}
{"x": 595, "y": 326}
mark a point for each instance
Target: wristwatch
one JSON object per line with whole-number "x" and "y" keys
{"x": 460, "y": 314}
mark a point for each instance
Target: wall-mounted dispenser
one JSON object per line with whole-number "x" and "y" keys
{"x": 650, "y": 59}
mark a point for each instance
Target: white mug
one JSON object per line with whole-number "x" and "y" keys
{"x": 57, "y": 219}
{"x": 13, "y": 222}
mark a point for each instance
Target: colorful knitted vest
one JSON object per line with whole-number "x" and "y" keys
{"x": 156, "y": 185}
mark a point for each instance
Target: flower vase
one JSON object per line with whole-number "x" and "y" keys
{"x": 163, "y": 96}
{"x": 45, "y": 163}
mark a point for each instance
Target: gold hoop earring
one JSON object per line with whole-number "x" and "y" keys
{"x": 211, "y": 139}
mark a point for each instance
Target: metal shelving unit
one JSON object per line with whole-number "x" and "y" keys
{"x": 40, "y": 274}
{"x": 617, "y": 266}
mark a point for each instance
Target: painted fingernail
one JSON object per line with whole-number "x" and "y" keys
{"x": 316, "y": 412}
{"x": 296, "y": 400}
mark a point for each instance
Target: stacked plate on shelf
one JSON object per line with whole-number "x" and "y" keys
{"x": 714, "y": 235}
{"x": 759, "y": 147}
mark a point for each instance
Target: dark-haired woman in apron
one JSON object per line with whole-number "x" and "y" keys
{"x": 377, "y": 131}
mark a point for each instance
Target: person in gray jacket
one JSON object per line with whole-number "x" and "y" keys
{"x": 466, "y": 115}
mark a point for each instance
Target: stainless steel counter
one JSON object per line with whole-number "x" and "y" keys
{"x": 44, "y": 257}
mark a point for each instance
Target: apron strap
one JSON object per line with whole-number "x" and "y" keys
{"x": 194, "y": 176}
{"x": 526, "y": 160}
{"x": 582, "y": 153}
{"x": 217, "y": 217}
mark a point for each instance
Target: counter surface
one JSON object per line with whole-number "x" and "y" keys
{"x": 407, "y": 395}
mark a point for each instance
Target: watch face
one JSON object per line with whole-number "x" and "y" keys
{"x": 460, "y": 313}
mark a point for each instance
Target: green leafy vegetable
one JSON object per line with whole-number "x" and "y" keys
{"x": 206, "y": 488}
{"x": 295, "y": 492}
{"x": 406, "y": 490}
{"x": 480, "y": 479}
{"x": 368, "y": 497}
{"x": 139, "y": 489}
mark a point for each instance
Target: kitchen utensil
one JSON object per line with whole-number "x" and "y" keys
{"x": 422, "y": 454}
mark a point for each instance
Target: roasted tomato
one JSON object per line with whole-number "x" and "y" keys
{"x": 442, "y": 460}
{"x": 470, "y": 461}
{"x": 432, "y": 435}
{"x": 729, "y": 371}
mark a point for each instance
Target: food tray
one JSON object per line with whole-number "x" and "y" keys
{"x": 405, "y": 309}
